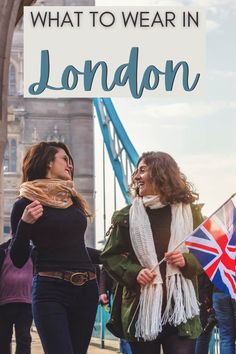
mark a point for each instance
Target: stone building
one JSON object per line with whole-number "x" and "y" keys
{"x": 34, "y": 120}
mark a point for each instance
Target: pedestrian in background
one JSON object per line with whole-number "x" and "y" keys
{"x": 225, "y": 311}
{"x": 106, "y": 293}
{"x": 15, "y": 302}
{"x": 207, "y": 314}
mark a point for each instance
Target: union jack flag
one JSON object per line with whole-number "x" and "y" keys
{"x": 214, "y": 245}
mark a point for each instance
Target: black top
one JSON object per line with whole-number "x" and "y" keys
{"x": 160, "y": 220}
{"x": 58, "y": 237}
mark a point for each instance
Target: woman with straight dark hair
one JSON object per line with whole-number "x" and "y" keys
{"x": 155, "y": 304}
{"x": 54, "y": 216}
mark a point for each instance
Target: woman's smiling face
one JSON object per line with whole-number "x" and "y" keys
{"x": 143, "y": 180}
{"x": 60, "y": 167}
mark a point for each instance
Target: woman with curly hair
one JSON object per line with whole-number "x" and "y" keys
{"x": 155, "y": 303}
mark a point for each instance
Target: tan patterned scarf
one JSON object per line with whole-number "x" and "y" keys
{"x": 55, "y": 193}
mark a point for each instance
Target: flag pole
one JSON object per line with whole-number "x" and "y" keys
{"x": 163, "y": 259}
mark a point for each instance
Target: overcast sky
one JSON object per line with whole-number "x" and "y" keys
{"x": 200, "y": 134}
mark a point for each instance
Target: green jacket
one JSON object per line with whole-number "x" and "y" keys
{"x": 121, "y": 263}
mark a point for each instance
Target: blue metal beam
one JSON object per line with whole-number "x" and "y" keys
{"x": 118, "y": 144}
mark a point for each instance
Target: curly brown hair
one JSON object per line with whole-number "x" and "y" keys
{"x": 171, "y": 183}
{"x": 35, "y": 165}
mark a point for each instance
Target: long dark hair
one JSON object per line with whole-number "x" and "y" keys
{"x": 171, "y": 183}
{"x": 37, "y": 159}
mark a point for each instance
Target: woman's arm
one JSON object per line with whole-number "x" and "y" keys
{"x": 118, "y": 259}
{"x": 20, "y": 249}
{"x": 94, "y": 255}
{"x": 192, "y": 267}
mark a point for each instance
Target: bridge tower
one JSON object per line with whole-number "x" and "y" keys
{"x": 32, "y": 120}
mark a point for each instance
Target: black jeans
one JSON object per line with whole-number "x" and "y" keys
{"x": 20, "y": 316}
{"x": 64, "y": 314}
{"x": 170, "y": 342}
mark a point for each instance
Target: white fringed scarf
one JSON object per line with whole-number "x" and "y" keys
{"x": 182, "y": 303}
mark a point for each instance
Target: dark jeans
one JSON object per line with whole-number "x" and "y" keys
{"x": 225, "y": 310}
{"x": 20, "y": 316}
{"x": 64, "y": 314}
{"x": 125, "y": 347}
{"x": 202, "y": 343}
{"x": 171, "y": 344}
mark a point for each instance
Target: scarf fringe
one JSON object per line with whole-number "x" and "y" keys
{"x": 182, "y": 303}
{"x": 149, "y": 325}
